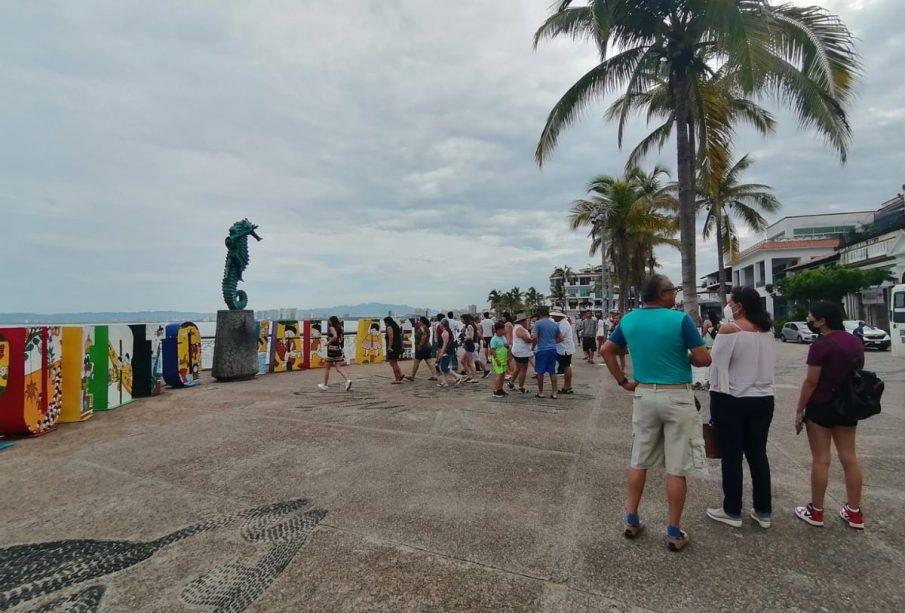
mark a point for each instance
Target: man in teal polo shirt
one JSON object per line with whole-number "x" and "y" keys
{"x": 666, "y": 426}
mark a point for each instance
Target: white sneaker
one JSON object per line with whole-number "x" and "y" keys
{"x": 348, "y": 385}
{"x": 718, "y": 514}
{"x": 321, "y": 386}
{"x": 764, "y": 521}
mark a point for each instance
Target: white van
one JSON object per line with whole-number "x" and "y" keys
{"x": 897, "y": 320}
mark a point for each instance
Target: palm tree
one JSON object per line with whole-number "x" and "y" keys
{"x": 558, "y": 295}
{"x": 533, "y": 299}
{"x": 638, "y": 211}
{"x": 803, "y": 56}
{"x": 515, "y": 299}
{"x": 724, "y": 197}
{"x": 493, "y": 298}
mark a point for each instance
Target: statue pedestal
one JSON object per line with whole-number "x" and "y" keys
{"x": 236, "y": 346}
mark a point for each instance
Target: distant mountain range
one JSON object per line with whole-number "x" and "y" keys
{"x": 370, "y": 309}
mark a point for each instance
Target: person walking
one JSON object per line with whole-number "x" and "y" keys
{"x": 521, "y": 351}
{"x": 832, "y": 359}
{"x": 445, "y": 353}
{"x": 423, "y": 349}
{"x": 741, "y": 405}
{"x": 487, "y": 333}
{"x": 545, "y": 334}
{"x": 588, "y": 336}
{"x": 565, "y": 349}
{"x": 335, "y": 357}
{"x": 602, "y": 331}
{"x": 394, "y": 347}
{"x": 666, "y": 427}
{"x": 470, "y": 343}
{"x": 455, "y": 326}
{"x": 499, "y": 358}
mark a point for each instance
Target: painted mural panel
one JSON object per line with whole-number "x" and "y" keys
{"x": 408, "y": 340}
{"x": 287, "y": 352}
{"x": 97, "y": 367}
{"x": 182, "y": 354}
{"x": 120, "y": 349}
{"x": 76, "y": 404}
{"x": 369, "y": 342}
{"x": 4, "y": 364}
{"x": 316, "y": 331}
{"x": 30, "y": 402}
{"x": 144, "y": 381}
{"x": 265, "y": 329}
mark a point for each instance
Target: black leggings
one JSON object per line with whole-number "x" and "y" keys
{"x": 742, "y": 426}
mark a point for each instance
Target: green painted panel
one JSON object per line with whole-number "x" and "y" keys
{"x": 100, "y": 377}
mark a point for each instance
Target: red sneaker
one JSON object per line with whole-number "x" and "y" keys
{"x": 854, "y": 519}
{"x": 810, "y": 515}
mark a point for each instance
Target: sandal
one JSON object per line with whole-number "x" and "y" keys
{"x": 539, "y": 396}
{"x": 553, "y": 396}
{"x": 567, "y": 390}
{"x": 432, "y": 379}
{"x": 408, "y": 377}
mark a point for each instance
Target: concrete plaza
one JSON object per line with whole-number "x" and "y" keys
{"x": 412, "y": 498}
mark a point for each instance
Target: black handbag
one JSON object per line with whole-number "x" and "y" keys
{"x": 858, "y": 397}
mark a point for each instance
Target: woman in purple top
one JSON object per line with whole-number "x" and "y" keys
{"x": 832, "y": 359}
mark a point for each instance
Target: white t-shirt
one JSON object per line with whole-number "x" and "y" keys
{"x": 601, "y": 327}
{"x": 567, "y": 346}
{"x": 487, "y": 327}
{"x": 456, "y": 326}
{"x": 520, "y": 347}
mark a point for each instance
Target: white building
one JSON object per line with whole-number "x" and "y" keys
{"x": 791, "y": 241}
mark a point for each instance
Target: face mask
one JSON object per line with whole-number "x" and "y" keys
{"x": 813, "y": 328}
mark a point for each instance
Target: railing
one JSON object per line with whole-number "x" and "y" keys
{"x": 867, "y": 252}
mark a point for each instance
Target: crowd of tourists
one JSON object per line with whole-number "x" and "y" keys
{"x": 738, "y": 351}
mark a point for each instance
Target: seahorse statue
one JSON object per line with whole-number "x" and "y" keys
{"x": 236, "y": 261}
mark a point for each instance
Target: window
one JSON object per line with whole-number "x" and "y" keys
{"x": 899, "y": 300}
{"x": 898, "y": 305}
{"x": 793, "y": 327}
{"x": 819, "y": 231}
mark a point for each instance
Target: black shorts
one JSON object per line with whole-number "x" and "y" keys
{"x": 393, "y": 355}
{"x": 469, "y": 346}
{"x": 563, "y": 362}
{"x": 588, "y": 343}
{"x": 520, "y": 360}
{"x": 487, "y": 341}
{"x": 825, "y": 415}
{"x": 423, "y": 354}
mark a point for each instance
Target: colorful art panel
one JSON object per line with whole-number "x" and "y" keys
{"x": 97, "y": 367}
{"x": 408, "y": 340}
{"x": 181, "y": 354}
{"x": 369, "y": 342}
{"x": 31, "y": 399}
{"x": 144, "y": 341}
{"x": 265, "y": 331}
{"x": 77, "y": 402}
{"x": 316, "y": 334}
{"x": 120, "y": 348}
{"x": 287, "y": 347}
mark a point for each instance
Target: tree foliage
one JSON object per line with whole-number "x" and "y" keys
{"x": 832, "y": 283}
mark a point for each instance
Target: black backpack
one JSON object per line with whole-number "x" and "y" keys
{"x": 859, "y": 396}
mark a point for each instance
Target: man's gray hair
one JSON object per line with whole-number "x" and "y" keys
{"x": 652, "y": 288}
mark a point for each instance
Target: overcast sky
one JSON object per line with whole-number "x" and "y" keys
{"x": 384, "y": 148}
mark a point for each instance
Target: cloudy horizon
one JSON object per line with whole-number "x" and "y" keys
{"x": 386, "y": 152}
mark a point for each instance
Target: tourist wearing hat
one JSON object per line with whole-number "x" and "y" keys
{"x": 564, "y": 350}
{"x": 521, "y": 351}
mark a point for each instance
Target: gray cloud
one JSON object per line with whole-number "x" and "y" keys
{"x": 384, "y": 148}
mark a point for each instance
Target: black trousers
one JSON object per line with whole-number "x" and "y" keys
{"x": 742, "y": 426}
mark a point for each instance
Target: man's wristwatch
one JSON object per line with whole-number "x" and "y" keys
{"x": 623, "y": 382}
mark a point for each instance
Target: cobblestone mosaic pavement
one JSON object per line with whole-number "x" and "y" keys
{"x": 270, "y": 495}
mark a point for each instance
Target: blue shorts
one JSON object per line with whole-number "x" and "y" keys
{"x": 444, "y": 363}
{"x": 545, "y": 362}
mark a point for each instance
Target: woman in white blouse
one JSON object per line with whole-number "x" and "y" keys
{"x": 741, "y": 404}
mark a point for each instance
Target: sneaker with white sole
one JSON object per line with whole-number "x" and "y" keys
{"x": 764, "y": 520}
{"x": 854, "y": 518}
{"x": 810, "y": 515}
{"x": 321, "y": 386}
{"x": 348, "y": 385}
{"x": 718, "y": 514}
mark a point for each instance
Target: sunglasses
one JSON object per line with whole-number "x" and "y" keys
{"x": 672, "y": 289}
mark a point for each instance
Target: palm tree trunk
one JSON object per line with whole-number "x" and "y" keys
{"x": 604, "y": 270}
{"x": 685, "y": 164}
{"x": 721, "y": 273}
